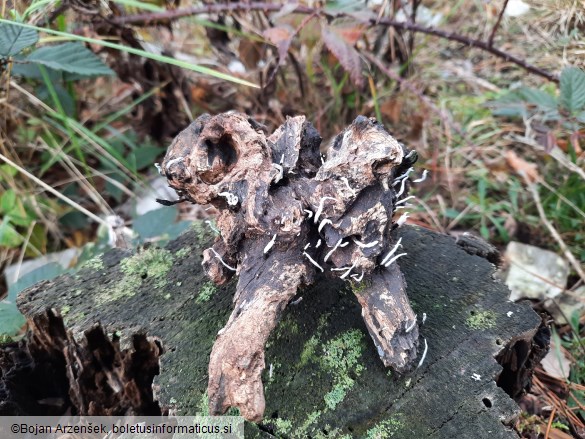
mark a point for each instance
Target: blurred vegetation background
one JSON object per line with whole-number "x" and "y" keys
{"x": 490, "y": 94}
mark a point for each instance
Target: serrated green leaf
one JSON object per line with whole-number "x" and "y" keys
{"x": 13, "y": 39}
{"x": 70, "y": 57}
{"x": 31, "y": 71}
{"x": 573, "y": 89}
{"x": 541, "y": 99}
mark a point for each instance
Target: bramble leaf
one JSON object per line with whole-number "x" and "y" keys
{"x": 70, "y": 57}
{"x": 13, "y": 39}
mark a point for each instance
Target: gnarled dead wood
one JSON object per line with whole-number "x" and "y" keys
{"x": 287, "y": 215}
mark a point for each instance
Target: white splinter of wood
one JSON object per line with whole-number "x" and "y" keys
{"x": 296, "y": 302}
{"x": 364, "y": 245}
{"x": 231, "y": 199}
{"x": 423, "y": 177}
{"x": 402, "y": 187}
{"x": 391, "y": 261}
{"x": 347, "y": 267}
{"x": 310, "y": 213}
{"x": 332, "y": 250}
{"x": 320, "y": 208}
{"x": 307, "y": 246}
{"x": 318, "y": 244}
{"x": 270, "y": 244}
{"x": 157, "y": 166}
{"x": 402, "y": 177}
{"x": 229, "y": 267}
{"x": 312, "y": 261}
{"x": 400, "y": 221}
{"x": 389, "y": 255}
{"x": 424, "y": 319}
{"x": 347, "y": 272}
{"x": 357, "y": 278}
{"x": 346, "y": 181}
{"x": 173, "y": 161}
{"x": 404, "y": 200}
{"x": 411, "y": 326}
{"x": 424, "y": 355}
{"x": 280, "y": 172}
{"x": 325, "y": 221}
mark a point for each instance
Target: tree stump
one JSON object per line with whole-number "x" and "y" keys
{"x": 137, "y": 330}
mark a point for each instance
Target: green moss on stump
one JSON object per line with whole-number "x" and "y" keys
{"x": 207, "y": 290}
{"x": 152, "y": 263}
{"x": 481, "y": 320}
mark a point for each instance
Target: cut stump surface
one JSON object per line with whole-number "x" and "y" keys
{"x": 323, "y": 376}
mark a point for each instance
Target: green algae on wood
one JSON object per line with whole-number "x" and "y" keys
{"x": 150, "y": 264}
{"x": 206, "y": 291}
{"x": 481, "y": 320}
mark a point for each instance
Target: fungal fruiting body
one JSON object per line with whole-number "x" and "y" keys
{"x": 288, "y": 215}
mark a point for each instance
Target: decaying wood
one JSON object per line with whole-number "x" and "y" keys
{"x": 459, "y": 390}
{"x": 287, "y": 215}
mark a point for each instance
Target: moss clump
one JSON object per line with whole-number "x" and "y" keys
{"x": 203, "y": 406}
{"x": 359, "y": 287}
{"x": 153, "y": 263}
{"x": 202, "y": 232}
{"x": 94, "y": 264}
{"x": 282, "y": 426}
{"x": 206, "y": 291}
{"x": 384, "y": 429}
{"x": 308, "y": 350}
{"x": 340, "y": 358}
{"x": 183, "y": 253}
{"x": 481, "y": 320}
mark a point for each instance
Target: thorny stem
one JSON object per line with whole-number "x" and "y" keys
{"x": 157, "y": 17}
{"x": 497, "y": 25}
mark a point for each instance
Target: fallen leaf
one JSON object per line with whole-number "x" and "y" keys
{"x": 281, "y": 37}
{"x": 556, "y": 364}
{"x": 347, "y": 56}
{"x": 350, "y": 32}
{"x": 522, "y": 167}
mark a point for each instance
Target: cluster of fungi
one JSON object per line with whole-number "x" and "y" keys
{"x": 287, "y": 215}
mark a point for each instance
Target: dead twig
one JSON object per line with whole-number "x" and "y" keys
{"x": 550, "y": 421}
{"x": 533, "y": 188}
{"x": 497, "y": 25}
{"x": 154, "y": 18}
